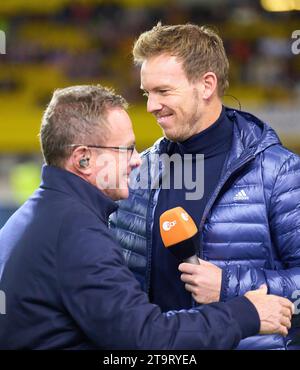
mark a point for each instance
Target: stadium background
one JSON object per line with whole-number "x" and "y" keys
{"x": 56, "y": 43}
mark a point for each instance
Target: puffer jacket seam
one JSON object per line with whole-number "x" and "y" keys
{"x": 129, "y": 212}
{"x": 268, "y": 248}
{"x": 277, "y": 176}
{"x": 135, "y": 234}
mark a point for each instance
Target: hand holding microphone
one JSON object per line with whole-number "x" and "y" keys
{"x": 180, "y": 234}
{"x": 203, "y": 280}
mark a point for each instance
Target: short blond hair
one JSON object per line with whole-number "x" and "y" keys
{"x": 200, "y": 49}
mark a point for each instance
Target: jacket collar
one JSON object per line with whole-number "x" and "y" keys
{"x": 251, "y": 136}
{"x": 58, "y": 179}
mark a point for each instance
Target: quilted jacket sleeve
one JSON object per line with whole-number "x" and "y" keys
{"x": 106, "y": 302}
{"x": 284, "y": 223}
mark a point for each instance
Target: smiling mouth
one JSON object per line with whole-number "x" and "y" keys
{"x": 163, "y": 119}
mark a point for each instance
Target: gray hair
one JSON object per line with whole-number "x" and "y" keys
{"x": 76, "y": 115}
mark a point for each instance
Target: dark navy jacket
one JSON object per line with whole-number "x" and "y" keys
{"x": 67, "y": 286}
{"x": 250, "y": 226}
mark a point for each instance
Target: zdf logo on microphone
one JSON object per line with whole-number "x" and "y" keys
{"x": 167, "y": 225}
{"x": 184, "y": 216}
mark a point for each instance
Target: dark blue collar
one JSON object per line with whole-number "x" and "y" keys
{"x": 66, "y": 182}
{"x": 211, "y": 141}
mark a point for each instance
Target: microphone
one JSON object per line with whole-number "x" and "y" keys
{"x": 180, "y": 234}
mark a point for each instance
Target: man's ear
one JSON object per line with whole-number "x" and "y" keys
{"x": 80, "y": 159}
{"x": 209, "y": 85}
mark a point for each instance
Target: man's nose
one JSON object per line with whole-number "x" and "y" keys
{"x": 153, "y": 104}
{"x": 135, "y": 160}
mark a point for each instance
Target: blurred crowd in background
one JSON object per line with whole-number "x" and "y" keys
{"x": 57, "y": 43}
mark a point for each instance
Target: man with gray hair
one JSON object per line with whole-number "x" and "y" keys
{"x": 63, "y": 275}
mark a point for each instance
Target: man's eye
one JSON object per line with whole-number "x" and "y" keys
{"x": 163, "y": 91}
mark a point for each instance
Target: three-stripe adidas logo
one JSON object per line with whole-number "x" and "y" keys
{"x": 241, "y": 195}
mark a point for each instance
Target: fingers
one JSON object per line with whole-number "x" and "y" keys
{"x": 285, "y": 321}
{"x": 286, "y": 312}
{"x": 188, "y": 268}
{"x": 263, "y": 289}
{"x": 287, "y": 304}
{"x": 186, "y": 278}
{"x": 190, "y": 288}
{"x": 283, "y": 331}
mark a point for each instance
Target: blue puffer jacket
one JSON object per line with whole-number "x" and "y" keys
{"x": 250, "y": 227}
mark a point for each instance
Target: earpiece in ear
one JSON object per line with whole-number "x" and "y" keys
{"x": 84, "y": 162}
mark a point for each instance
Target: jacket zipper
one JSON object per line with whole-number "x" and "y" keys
{"x": 209, "y": 205}
{"x": 149, "y": 233}
{"x": 149, "y": 241}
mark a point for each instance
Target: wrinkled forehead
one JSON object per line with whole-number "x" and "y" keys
{"x": 120, "y": 127}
